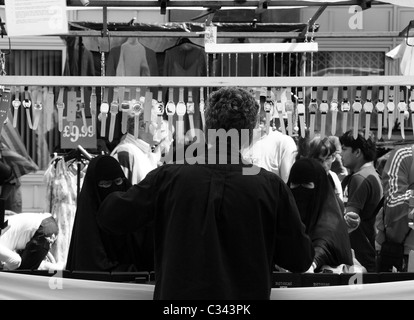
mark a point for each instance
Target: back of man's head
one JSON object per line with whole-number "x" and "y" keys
{"x": 232, "y": 108}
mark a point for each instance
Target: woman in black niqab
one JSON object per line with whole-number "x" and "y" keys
{"x": 91, "y": 249}
{"x": 321, "y": 213}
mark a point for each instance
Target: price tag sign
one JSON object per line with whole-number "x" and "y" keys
{"x": 75, "y": 134}
{"x": 36, "y": 18}
{"x": 210, "y": 35}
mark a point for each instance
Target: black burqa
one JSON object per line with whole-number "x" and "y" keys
{"x": 91, "y": 249}
{"x": 321, "y": 213}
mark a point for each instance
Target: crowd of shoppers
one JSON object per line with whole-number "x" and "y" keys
{"x": 243, "y": 205}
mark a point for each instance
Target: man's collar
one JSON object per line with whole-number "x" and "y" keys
{"x": 365, "y": 165}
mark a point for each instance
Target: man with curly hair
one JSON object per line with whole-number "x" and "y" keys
{"x": 221, "y": 225}
{"x": 362, "y": 193}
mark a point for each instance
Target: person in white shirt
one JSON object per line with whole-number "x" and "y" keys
{"x": 275, "y": 151}
{"x": 26, "y": 241}
{"x": 138, "y": 156}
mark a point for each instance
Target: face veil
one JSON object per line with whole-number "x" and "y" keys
{"x": 109, "y": 177}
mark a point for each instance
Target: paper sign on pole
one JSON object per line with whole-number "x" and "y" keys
{"x": 36, "y": 17}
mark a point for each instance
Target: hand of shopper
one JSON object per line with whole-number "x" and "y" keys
{"x": 352, "y": 220}
{"x": 311, "y": 268}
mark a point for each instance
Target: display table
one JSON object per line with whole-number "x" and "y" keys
{"x": 64, "y": 286}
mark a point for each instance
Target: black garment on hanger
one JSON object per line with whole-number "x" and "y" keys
{"x": 185, "y": 60}
{"x": 181, "y": 41}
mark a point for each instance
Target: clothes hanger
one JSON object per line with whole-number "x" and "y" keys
{"x": 56, "y": 158}
{"x": 183, "y": 40}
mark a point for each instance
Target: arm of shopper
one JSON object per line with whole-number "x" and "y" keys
{"x": 9, "y": 258}
{"x": 288, "y": 157}
{"x": 321, "y": 258}
{"x": 359, "y": 191}
{"x": 352, "y": 220}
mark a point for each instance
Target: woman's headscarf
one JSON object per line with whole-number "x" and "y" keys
{"x": 107, "y": 169}
{"x": 90, "y": 249}
{"x": 320, "y": 212}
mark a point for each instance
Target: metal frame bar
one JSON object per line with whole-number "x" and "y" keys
{"x": 207, "y": 4}
{"x": 109, "y": 81}
{"x": 272, "y": 35}
{"x": 262, "y": 48}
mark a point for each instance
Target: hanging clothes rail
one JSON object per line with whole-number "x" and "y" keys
{"x": 224, "y": 30}
{"x": 270, "y": 35}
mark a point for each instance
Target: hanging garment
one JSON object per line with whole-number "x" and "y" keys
{"x": 152, "y": 61}
{"x": 406, "y": 54}
{"x": 113, "y": 59}
{"x": 132, "y": 47}
{"x": 61, "y": 203}
{"x": 79, "y": 60}
{"x": 115, "y": 53}
{"x": 186, "y": 60}
{"x": 132, "y": 59}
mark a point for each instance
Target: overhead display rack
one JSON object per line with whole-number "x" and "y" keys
{"x": 301, "y": 33}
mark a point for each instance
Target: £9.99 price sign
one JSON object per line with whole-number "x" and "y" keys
{"x": 75, "y": 134}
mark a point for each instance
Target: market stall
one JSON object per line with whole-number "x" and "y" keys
{"x": 87, "y": 102}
